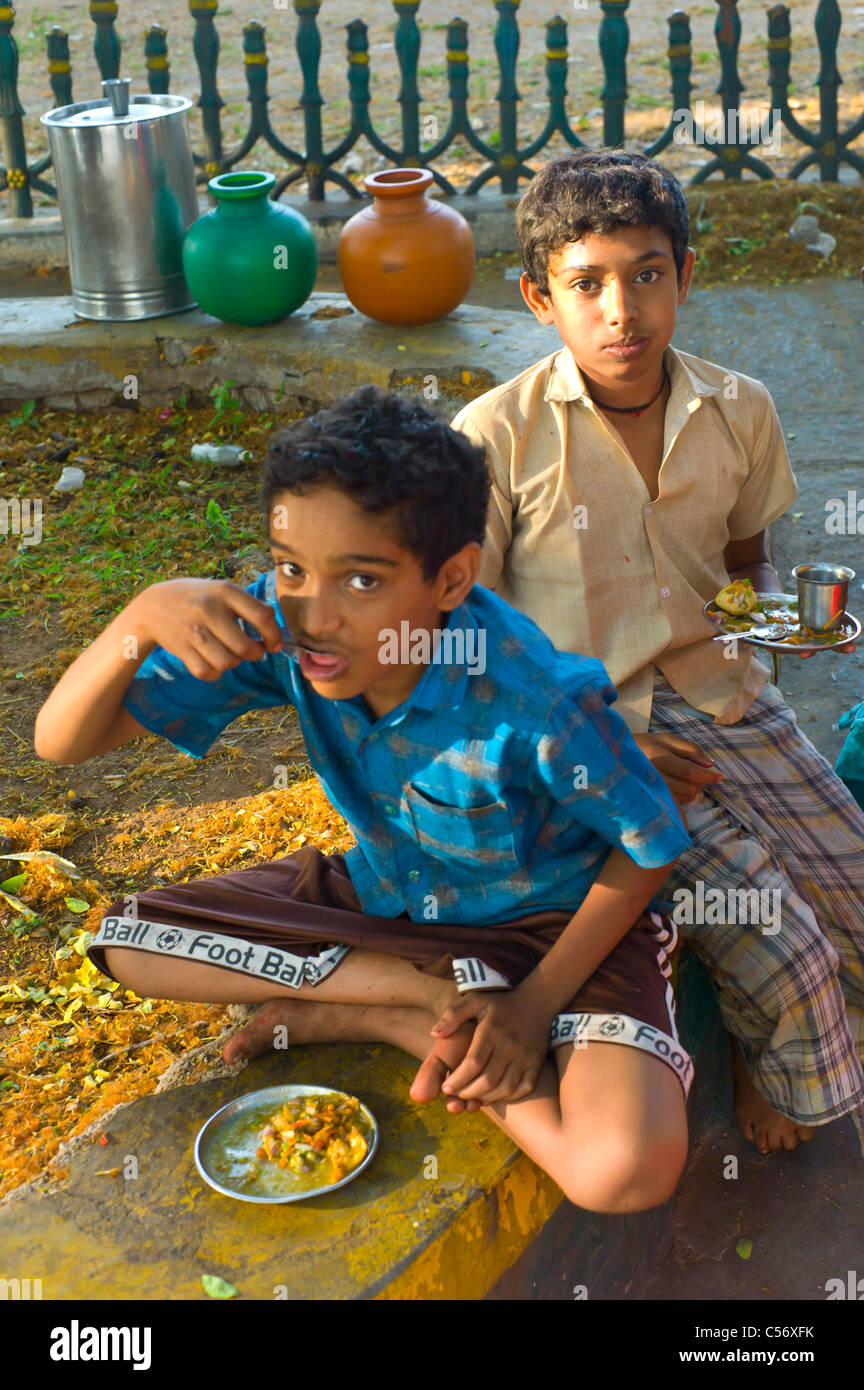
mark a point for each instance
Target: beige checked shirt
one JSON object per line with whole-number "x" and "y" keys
{"x": 574, "y": 541}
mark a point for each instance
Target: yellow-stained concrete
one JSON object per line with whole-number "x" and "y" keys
{"x": 482, "y": 1241}
{"x": 447, "y": 1205}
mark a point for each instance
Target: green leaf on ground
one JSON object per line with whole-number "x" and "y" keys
{"x": 744, "y": 1248}
{"x": 216, "y": 518}
{"x": 26, "y": 411}
{"x": 77, "y": 905}
{"x": 216, "y": 1287}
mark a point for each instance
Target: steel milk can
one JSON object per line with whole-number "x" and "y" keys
{"x": 126, "y": 188}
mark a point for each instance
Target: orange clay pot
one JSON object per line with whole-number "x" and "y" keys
{"x": 407, "y": 259}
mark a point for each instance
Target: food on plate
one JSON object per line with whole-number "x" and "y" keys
{"x": 737, "y": 597}
{"x": 317, "y": 1135}
{"x": 776, "y": 618}
{"x": 805, "y": 638}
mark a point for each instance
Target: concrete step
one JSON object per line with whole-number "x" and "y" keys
{"x": 322, "y": 351}
{"x": 803, "y": 1212}
{"x": 446, "y": 1208}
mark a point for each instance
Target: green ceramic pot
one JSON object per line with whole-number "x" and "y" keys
{"x": 249, "y": 260}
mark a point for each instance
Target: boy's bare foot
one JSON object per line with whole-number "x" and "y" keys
{"x": 304, "y": 1021}
{"x": 255, "y": 1036}
{"x": 444, "y": 1055}
{"x": 757, "y": 1120}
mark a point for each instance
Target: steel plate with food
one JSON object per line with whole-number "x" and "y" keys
{"x": 286, "y": 1143}
{"x": 775, "y": 620}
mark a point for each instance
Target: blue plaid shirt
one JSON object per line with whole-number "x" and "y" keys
{"x": 482, "y": 796}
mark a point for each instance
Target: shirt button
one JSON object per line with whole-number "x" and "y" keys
{"x": 389, "y": 808}
{"x": 648, "y": 510}
{"x": 413, "y": 874}
{"x": 664, "y": 592}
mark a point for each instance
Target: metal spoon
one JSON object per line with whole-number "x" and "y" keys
{"x": 289, "y": 645}
{"x": 763, "y": 632}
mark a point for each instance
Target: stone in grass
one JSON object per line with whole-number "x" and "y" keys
{"x": 70, "y": 480}
{"x": 805, "y": 231}
{"x": 245, "y": 568}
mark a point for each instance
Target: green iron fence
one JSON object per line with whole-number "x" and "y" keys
{"x": 728, "y": 154}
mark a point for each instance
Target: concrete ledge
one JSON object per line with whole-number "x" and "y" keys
{"x": 323, "y": 350}
{"x": 66, "y": 363}
{"x": 446, "y": 1209}
{"x": 394, "y": 1233}
{"x": 28, "y": 242}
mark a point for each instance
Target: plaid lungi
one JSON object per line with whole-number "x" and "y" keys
{"x": 780, "y": 821}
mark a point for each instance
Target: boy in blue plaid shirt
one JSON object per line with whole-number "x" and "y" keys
{"x": 493, "y": 918}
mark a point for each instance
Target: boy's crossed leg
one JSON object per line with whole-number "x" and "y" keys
{"x": 606, "y": 1122}
{"x": 783, "y": 827}
{"x": 363, "y": 977}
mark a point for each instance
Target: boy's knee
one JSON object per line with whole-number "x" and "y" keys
{"x": 625, "y": 1173}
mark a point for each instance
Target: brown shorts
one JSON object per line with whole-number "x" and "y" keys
{"x": 292, "y": 921}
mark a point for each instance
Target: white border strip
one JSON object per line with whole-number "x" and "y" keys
{"x": 579, "y": 1029}
{"x": 471, "y": 973}
{"x": 235, "y": 953}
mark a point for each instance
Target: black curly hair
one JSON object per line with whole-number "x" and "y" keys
{"x": 596, "y": 191}
{"x": 390, "y": 454}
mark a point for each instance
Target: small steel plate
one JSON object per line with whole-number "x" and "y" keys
{"x": 267, "y": 1101}
{"x": 718, "y": 620}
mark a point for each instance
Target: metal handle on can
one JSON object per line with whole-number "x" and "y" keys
{"x": 116, "y": 90}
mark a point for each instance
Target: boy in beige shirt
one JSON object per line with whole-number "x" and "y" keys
{"x": 630, "y": 482}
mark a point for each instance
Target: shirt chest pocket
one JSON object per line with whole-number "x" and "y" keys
{"x": 478, "y": 836}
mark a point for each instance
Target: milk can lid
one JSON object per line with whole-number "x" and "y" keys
{"x": 117, "y": 107}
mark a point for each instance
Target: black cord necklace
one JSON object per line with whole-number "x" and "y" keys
{"x": 635, "y": 409}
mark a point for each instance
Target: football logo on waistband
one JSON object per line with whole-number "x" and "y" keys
{"x": 167, "y": 940}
